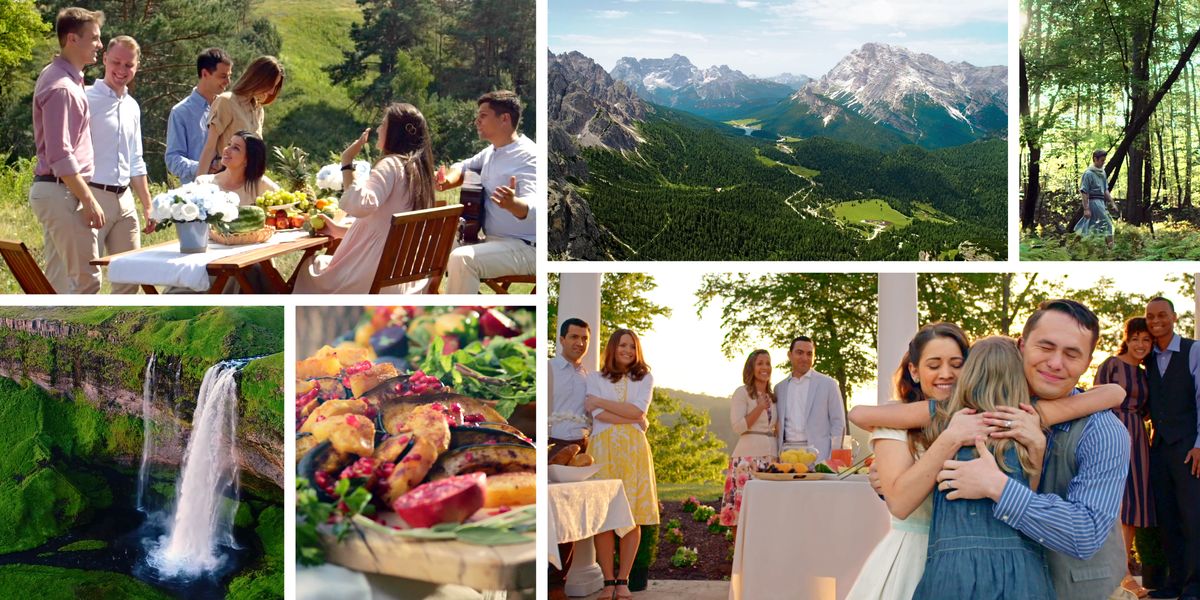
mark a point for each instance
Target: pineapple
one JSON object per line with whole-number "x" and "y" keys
{"x": 291, "y": 164}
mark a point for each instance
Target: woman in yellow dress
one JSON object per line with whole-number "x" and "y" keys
{"x": 618, "y": 396}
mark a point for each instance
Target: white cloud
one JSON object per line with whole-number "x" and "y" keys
{"x": 703, "y": 1}
{"x": 980, "y": 54}
{"x": 746, "y": 4}
{"x": 679, "y": 35}
{"x": 839, "y": 15}
{"x": 611, "y": 14}
{"x": 898, "y": 34}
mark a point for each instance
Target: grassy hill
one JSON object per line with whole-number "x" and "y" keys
{"x": 314, "y": 34}
{"x": 718, "y": 413}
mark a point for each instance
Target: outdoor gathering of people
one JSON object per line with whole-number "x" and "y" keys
{"x": 91, "y": 165}
{"x": 1002, "y": 476}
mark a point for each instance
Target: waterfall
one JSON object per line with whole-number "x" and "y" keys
{"x": 203, "y": 518}
{"x": 147, "y": 438}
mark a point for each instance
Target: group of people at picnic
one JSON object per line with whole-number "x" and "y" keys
{"x": 90, "y": 166}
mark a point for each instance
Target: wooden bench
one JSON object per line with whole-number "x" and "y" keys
{"x": 24, "y": 268}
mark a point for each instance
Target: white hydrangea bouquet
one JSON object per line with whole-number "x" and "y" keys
{"x": 194, "y": 202}
{"x": 330, "y": 176}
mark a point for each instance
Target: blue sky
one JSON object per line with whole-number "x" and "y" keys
{"x": 768, "y": 37}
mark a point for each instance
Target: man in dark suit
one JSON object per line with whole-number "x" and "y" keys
{"x": 1174, "y": 372}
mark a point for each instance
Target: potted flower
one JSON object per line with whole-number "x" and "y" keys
{"x": 191, "y": 208}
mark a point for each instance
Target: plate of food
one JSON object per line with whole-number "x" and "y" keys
{"x": 408, "y": 472}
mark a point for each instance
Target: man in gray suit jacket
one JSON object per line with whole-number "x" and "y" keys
{"x": 811, "y": 412}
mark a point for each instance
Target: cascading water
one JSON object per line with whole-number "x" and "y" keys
{"x": 203, "y": 518}
{"x": 147, "y": 438}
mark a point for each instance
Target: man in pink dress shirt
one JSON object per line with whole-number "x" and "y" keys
{"x": 60, "y": 197}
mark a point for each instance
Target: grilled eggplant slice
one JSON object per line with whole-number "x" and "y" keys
{"x": 489, "y": 459}
{"x": 485, "y": 433}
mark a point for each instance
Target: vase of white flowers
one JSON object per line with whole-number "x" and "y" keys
{"x": 191, "y": 208}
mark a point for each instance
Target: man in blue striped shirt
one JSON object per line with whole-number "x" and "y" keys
{"x": 1086, "y": 463}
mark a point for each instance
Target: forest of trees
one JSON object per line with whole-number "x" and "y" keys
{"x": 439, "y": 55}
{"x": 695, "y": 190}
{"x": 1117, "y": 76}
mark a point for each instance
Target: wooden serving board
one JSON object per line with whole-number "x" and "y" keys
{"x": 380, "y": 550}
{"x": 788, "y": 476}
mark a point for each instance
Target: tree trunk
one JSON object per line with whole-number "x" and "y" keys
{"x": 1033, "y": 185}
{"x": 1139, "y": 90}
{"x": 1139, "y": 121}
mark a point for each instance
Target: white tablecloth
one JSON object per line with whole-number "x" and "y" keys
{"x": 804, "y": 539}
{"x": 166, "y": 265}
{"x": 582, "y": 509}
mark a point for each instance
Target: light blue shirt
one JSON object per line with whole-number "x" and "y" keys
{"x": 1078, "y": 524}
{"x": 116, "y": 128}
{"x": 570, "y": 419}
{"x": 1163, "y": 358}
{"x": 495, "y": 166}
{"x": 186, "y": 132}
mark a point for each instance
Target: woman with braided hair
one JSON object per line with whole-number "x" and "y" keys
{"x": 401, "y": 181}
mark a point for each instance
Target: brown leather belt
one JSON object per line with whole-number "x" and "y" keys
{"x": 116, "y": 189}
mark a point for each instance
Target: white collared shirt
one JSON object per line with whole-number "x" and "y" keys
{"x": 796, "y": 417}
{"x": 570, "y": 418}
{"x": 116, "y": 135}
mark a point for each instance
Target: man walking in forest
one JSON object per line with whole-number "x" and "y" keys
{"x": 1093, "y": 191}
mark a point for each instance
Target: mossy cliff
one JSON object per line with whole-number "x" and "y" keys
{"x": 71, "y": 395}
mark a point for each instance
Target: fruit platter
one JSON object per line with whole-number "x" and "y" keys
{"x": 802, "y": 465}
{"x": 286, "y": 210}
{"x": 406, "y": 464}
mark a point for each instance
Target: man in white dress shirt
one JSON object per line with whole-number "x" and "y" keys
{"x": 570, "y": 422}
{"x": 117, "y": 140}
{"x": 811, "y": 412}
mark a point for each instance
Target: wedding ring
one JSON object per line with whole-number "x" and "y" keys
{"x": 1008, "y": 424}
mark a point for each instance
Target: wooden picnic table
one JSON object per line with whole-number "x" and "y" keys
{"x": 236, "y": 266}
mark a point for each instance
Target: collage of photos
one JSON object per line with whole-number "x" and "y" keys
{"x": 694, "y": 299}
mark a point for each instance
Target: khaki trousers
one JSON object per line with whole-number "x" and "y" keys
{"x": 68, "y": 244}
{"x": 121, "y": 231}
{"x": 497, "y": 257}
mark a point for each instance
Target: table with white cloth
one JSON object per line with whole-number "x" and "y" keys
{"x": 580, "y": 510}
{"x": 804, "y": 539}
{"x": 209, "y": 271}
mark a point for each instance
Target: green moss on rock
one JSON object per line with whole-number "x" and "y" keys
{"x": 84, "y": 545}
{"x": 262, "y": 394}
{"x": 265, "y": 582}
{"x": 55, "y": 582}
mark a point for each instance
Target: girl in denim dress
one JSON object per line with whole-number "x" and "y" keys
{"x": 971, "y": 553}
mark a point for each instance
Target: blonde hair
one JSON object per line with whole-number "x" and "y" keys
{"x": 128, "y": 42}
{"x": 992, "y": 376}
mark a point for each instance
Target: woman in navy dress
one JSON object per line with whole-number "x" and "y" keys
{"x": 1124, "y": 369}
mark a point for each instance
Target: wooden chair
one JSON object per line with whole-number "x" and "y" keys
{"x": 500, "y": 284}
{"x": 418, "y": 247}
{"x": 24, "y": 268}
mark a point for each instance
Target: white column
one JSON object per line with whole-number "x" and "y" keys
{"x": 579, "y": 297}
{"x": 1196, "y": 309}
{"x": 897, "y": 324}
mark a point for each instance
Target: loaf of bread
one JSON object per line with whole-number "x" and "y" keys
{"x": 582, "y": 460}
{"x": 564, "y": 456}
{"x": 510, "y": 489}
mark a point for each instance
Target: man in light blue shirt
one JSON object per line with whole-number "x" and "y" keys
{"x": 116, "y": 131}
{"x": 508, "y": 170}
{"x": 187, "y": 125}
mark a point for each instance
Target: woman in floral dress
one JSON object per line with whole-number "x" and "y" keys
{"x": 618, "y": 396}
{"x": 753, "y": 414}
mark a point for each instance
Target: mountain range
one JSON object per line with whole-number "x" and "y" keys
{"x": 879, "y": 96}
{"x": 717, "y": 92}
{"x": 634, "y": 179}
